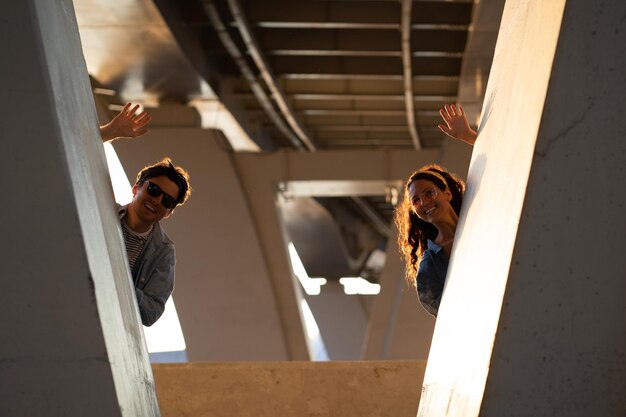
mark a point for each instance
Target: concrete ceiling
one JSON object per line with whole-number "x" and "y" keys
{"x": 304, "y": 74}
{"x": 310, "y": 74}
{"x": 329, "y": 74}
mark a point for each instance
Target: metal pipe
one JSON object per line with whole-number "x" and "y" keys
{"x": 268, "y": 77}
{"x": 241, "y": 63}
{"x": 372, "y": 216}
{"x": 408, "y": 72}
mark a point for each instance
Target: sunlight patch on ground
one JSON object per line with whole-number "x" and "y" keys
{"x": 358, "y": 285}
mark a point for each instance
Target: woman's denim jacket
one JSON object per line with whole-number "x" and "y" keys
{"x": 431, "y": 277}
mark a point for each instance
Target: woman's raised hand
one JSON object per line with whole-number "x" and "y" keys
{"x": 456, "y": 125}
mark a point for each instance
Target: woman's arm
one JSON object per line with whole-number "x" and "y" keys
{"x": 429, "y": 286}
{"x": 456, "y": 125}
{"x": 126, "y": 124}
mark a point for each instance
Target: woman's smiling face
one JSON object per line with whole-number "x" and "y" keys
{"x": 428, "y": 201}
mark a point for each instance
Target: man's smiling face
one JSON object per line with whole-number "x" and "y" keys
{"x": 149, "y": 209}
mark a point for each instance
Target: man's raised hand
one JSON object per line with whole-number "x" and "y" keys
{"x": 127, "y": 124}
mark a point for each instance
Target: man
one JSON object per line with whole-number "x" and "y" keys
{"x": 159, "y": 189}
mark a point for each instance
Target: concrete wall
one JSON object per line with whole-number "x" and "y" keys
{"x": 294, "y": 389}
{"x": 71, "y": 340}
{"x": 530, "y": 323}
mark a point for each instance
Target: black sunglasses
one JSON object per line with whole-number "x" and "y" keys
{"x": 167, "y": 201}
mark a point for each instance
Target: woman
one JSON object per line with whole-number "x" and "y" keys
{"x": 428, "y": 216}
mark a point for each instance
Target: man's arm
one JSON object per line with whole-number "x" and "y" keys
{"x": 153, "y": 296}
{"x": 127, "y": 124}
{"x": 456, "y": 125}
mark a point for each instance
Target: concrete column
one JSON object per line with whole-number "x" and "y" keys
{"x": 71, "y": 339}
{"x": 398, "y": 328}
{"x": 342, "y": 320}
{"x": 260, "y": 174}
{"x": 532, "y": 317}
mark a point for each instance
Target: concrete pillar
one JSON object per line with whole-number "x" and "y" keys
{"x": 398, "y": 328}
{"x": 260, "y": 174}
{"x": 71, "y": 338}
{"x": 532, "y": 317}
{"x": 342, "y": 320}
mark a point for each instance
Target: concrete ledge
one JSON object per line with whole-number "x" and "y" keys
{"x": 275, "y": 389}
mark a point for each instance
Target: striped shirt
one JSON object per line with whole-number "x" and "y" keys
{"x": 134, "y": 243}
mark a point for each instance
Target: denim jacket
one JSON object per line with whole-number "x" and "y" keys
{"x": 431, "y": 277}
{"x": 153, "y": 275}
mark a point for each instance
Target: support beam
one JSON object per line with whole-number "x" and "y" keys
{"x": 260, "y": 174}
{"x": 72, "y": 344}
{"x": 398, "y": 328}
{"x": 531, "y": 318}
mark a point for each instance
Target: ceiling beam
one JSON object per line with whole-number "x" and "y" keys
{"x": 383, "y": 77}
{"x": 361, "y": 128}
{"x": 358, "y": 25}
{"x": 371, "y": 214}
{"x": 341, "y": 113}
{"x": 393, "y": 54}
{"x": 348, "y": 143}
{"x": 372, "y": 97}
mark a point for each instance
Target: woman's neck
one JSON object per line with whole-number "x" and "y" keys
{"x": 446, "y": 228}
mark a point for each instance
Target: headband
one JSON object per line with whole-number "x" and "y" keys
{"x": 434, "y": 174}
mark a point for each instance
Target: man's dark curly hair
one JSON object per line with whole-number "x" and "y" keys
{"x": 165, "y": 168}
{"x": 414, "y": 232}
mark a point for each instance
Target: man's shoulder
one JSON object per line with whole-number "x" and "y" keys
{"x": 162, "y": 235}
{"x": 121, "y": 209}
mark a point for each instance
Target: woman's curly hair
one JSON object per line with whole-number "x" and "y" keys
{"x": 414, "y": 232}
